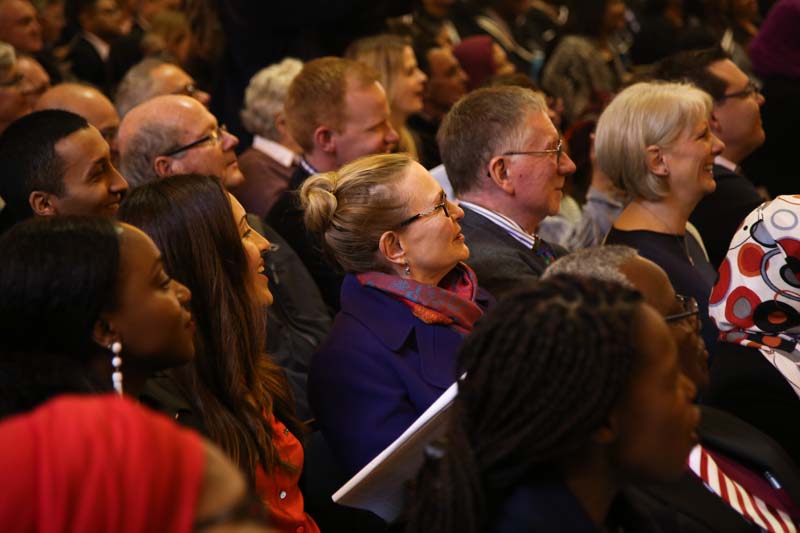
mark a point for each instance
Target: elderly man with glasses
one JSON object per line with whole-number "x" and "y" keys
{"x": 509, "y": 174}
{"x": 176, "y": 134}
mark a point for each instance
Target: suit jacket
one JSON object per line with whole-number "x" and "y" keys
{"x": 286, "y": 217}
{"x": 125, "y": 53}
{"x": 745, "y": 384}
{"x": 87, "y": 65}
{"x": 718, "y": 215}
{"x": 379, "y": 369}
{"x": 687, "y": 506}
{"x": 265, "y": 181}
{"x": 501, "y": 262}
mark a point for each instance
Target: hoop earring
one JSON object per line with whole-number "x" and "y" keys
{"x": 408, "y": 269}
{"x": 116, "y": 363}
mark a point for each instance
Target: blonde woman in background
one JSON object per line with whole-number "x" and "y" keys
{"x": 394, "y": 59}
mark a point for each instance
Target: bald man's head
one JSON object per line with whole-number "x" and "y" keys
{"x": 85, "y": 101}
{"x": 176, "y": 134}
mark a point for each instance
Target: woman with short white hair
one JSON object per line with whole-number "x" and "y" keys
{"x": 655, "y": 142}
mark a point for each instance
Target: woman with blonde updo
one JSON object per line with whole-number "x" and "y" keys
{"x": 407, "y": 300}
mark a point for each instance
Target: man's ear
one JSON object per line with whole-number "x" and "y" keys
{"x": 42, "y": 203}
{"x": 391, "y": 248}
{"x": 714, "y": 123}
{"x": 103, "y": 332}
{"x": 324, "y": 139}
{"x": 656, "y": 163}
{"x": 498, "y": 173}
{"x": 163, "y": 165}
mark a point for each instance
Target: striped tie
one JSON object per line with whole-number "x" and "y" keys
{"x": 748, "y": 505}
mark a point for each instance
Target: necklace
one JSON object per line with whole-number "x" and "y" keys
{"x": 681, "y": 238}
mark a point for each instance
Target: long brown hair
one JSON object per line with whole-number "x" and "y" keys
{"x": 232, "y": 383}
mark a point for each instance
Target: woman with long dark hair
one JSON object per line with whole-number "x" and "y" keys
{"x": 232, "y": 391}
{"x": 571, "y": 390}
{"x": 82, "y": 298}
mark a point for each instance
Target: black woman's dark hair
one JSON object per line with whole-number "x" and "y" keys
{"x": 544, "y": 368}
{"x": 56, "y": 277}
{"x": 29, "y": 162}
{"x": 232, "y": 383}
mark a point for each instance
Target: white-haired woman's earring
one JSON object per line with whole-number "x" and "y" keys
{"x": 116, "y": 363}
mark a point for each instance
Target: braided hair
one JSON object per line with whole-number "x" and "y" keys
{"x": 537, "y": 386}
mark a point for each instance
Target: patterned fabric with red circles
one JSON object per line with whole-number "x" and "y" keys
{"x": 756, "y": 300}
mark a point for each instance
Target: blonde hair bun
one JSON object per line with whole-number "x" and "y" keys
{"x": 318, "y": 199}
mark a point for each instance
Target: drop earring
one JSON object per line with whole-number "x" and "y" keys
{"x": 408, "y": 269}
{"x": 116, "y": 363}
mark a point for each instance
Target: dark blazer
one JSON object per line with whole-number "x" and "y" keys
{"x": 265, "y": 181}
{"x": 87, "y": 65}
{"x": 718, "y": 215}
{"x": 125, "y": 53}
{"x": 298, "y": 320}
{"x": 286, "y": 217}
{"x": 379, "y": 369}
{"x": 689, "y": 507}
{"x": 745, "y": 384}
{"x": 501, "y": 262}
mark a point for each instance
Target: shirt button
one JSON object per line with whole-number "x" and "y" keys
{"x": 285, "y": 431}
{"x": 282, "y": 495}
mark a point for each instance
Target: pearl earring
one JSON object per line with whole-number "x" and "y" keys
{"x": 116, "y": 362}
{"x": 408, "y": 269}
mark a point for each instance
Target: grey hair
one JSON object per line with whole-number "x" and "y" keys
{"x": 137, "y": 86}
{"x": 8, "y": 58}
{"x": 597, "y": 262}
{"x": 642, "y": 115}
{"x": 479, "y": 126}
{"x": 140, "y": 151}
{"x": 264, "y": 97}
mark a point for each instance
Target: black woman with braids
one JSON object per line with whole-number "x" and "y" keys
{"x": 560, "y": 408}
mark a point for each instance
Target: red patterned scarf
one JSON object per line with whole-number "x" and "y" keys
{"x": 451, "y": 303}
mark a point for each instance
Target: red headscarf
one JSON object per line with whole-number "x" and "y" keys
{"x": 98, "y": 463}
{"x": 476, "y": 55}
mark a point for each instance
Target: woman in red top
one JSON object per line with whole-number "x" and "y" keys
{"x": 232, "y": 391}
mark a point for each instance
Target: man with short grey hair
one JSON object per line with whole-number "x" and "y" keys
{"x": 272, "y": 159}
{"x": 509, "y": 174}
{"x": 153, "y": 77}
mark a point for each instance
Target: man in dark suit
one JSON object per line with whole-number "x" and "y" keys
{"x": 337, "y": 111}
{"x": 747, "y": 464}
{"x": 101, "y": 24}
{"x": 505, "y": 160}
{"x": 736, "y": 121}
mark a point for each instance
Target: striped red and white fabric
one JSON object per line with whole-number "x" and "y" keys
{"x": 748, "y": 505}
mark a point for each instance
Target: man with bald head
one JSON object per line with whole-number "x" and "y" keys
{"x": 154, "y": 77}
{"x": 737, "y": 456}
{"x": 87, "y": 102}
{"x": 176, "y": 134}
